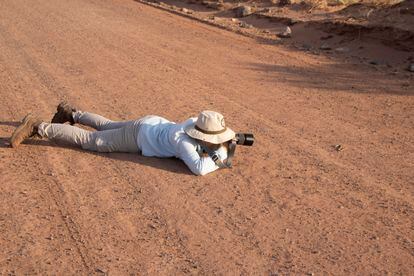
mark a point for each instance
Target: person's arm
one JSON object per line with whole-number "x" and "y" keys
{"x": 199, "y": 165}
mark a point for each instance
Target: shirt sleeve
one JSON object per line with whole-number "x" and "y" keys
{"x": 198, "y": 165}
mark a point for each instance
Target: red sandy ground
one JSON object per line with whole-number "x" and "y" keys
{"x": 292, "y": 203}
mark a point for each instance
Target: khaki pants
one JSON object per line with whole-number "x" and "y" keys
{"x": 111, "y": 136}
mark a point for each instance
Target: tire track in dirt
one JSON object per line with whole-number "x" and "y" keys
{"x": 57, "y": 190}
{"x": 57, "y": 193}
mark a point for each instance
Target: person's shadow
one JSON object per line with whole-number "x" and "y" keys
{"x": 9, "y": 123}
{"x": 169, "y": 164}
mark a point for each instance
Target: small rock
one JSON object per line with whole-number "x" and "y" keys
{"x": 338, "y": 147}
{"x": 325, "y": 47}
{"x": 245, "y": 25}
{"x": 185, "y": 10}
{"x": 411, "y": 67}
{"x": 342, "y": 49}
{"x": 285, "y": 2}
{"x": 287, "y": 33}
{"x": 292, "y": 22}
{"x": 100, "y": 270}
{"x": 243, "y": 11}
{"x": 234, "y": 20}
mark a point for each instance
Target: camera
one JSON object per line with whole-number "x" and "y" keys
{"x": 244, "y": 139}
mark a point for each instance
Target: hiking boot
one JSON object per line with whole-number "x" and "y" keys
{"x": 63, "y": 114}
{"x": 28, "y": 128}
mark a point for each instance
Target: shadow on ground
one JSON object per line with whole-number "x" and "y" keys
{"x": 4, "y": 142}
{"x": 9, "y": 123}
{"x": 168, "y": 164}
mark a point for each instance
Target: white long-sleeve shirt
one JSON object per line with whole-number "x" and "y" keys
{"x": 161, "y": 138}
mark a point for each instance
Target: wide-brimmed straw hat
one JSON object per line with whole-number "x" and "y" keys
{"x": 210, "y": 127}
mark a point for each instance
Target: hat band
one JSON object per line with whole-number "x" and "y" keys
{"x": 210, "y": 132}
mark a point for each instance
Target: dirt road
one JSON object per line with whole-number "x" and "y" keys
{"x": 292, "y": 203}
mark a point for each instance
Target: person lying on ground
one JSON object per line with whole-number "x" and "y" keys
{"x": 151, "y": 135}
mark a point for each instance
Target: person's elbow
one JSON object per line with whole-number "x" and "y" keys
{"x": 199, "y": 171}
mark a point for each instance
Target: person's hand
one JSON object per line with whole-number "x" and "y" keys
{"x": 223, "y": 151}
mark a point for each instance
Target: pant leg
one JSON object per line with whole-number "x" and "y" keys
{"x": 98, "y": 122}
{"x": 123, "y": 139}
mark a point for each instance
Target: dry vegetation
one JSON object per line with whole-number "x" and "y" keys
{"x": 326, "y": 3}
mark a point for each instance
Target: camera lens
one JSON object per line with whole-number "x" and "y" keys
{"x": 245, "y": 139}
{"x": 248, "y": 139}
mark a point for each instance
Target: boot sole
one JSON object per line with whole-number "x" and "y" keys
{"x": 63, "y": 114}
{"x": 14, "y": 141}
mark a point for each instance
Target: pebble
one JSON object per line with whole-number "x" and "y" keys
{"x": 338, "y": 147}
{"x": 243, "y": 11}
{"x": 285, "y": 2}
{"x": 411, "y": 67}
{"x": 342, "y": 49}
{"x": 234, "y": 20}
{"x": 245, "y": 25}
{"x": 100, "y": 270}
{"x": 185, "y": 10}
{"x": 287, "y": 33}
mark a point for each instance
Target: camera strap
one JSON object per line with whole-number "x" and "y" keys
{"x": 216, "y": 158}
{"x": 230, "y": 154}
{"x": 213, "y": 155}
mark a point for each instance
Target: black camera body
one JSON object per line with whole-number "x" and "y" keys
{"x": 244, "y": 139}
